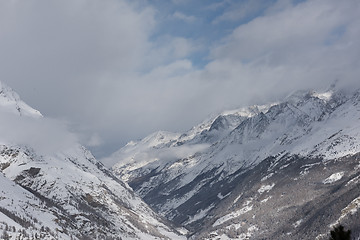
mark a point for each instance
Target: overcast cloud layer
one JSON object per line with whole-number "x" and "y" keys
{"x": 119, "y": 70}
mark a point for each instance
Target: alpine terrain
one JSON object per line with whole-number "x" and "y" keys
{"x": 65, "y": 194}
{"x": 286, "y": 170}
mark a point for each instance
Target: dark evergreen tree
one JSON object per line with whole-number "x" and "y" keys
{"x": 338, "y": 233}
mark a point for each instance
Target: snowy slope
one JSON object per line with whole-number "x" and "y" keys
{"x": 159, "y": 149}
{"x": 10, "y": 101}
{"x": 91, "y": 200}
{"x": 189, "y": 187}
{"x": 66, "y": 194}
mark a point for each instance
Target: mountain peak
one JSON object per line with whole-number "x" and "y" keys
{"x": 11, "y": 102}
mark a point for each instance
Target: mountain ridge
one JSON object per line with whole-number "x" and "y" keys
{"x": 64, "y": 193}
{"x": 189, "y": 189}
{"x": 288, "y": 169}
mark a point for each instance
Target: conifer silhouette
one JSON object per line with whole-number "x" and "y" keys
{"x": 338, "y": 233}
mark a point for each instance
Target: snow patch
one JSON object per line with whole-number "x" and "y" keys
{"x": 243, "y": 236}
{"x": 237, "y": 198}
{"x": 352, "y": 208}
{"x": 234, "y": 214}
{"x": 326, "y": 96}
{"x": 265, "y": 188}
{"x": 355, "y": 180}
{"x": 199, "y": 214}
{"x": 266, "y": 199}
{"x": 267, "y": 177}
{"x": 220, "y": 196}
{"x": 333, "y": 178}
{"x": 297, "y": 223}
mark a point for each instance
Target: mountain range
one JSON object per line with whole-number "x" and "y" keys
{"x": 284, "y": 170}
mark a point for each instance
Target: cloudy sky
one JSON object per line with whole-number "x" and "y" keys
{"x": 119, "y": 70}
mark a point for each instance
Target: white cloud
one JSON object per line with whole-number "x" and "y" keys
{"x": 46, "y": 136}
{"x": 108, "y": 68}
{"x": 238, "y": 10}
{"x": 278, "y": 6}
{"x": 174, "y": 69}
{"x": 286, "y": 31}
{"x": 217, "y": 5}
{"x": 95, "y": 141}
{"x": 71, "y": 37}
{"x": 167, "y": 49}
{"x": 299, "y": 47}
{"x": 62, "y": 57}
{"x": 180, "y": 2}
{"x": 182, "y": 16}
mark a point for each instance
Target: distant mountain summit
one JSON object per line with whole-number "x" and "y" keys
{"x": 66, "y": 194}
{"x": 10, "y": 101}
{"x": 285, "y": 170}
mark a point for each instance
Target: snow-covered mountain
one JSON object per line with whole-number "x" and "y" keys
{"x": 10, "y": 101}
{"x": 284, "y": 170}
{"x": 65, "y": 194}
